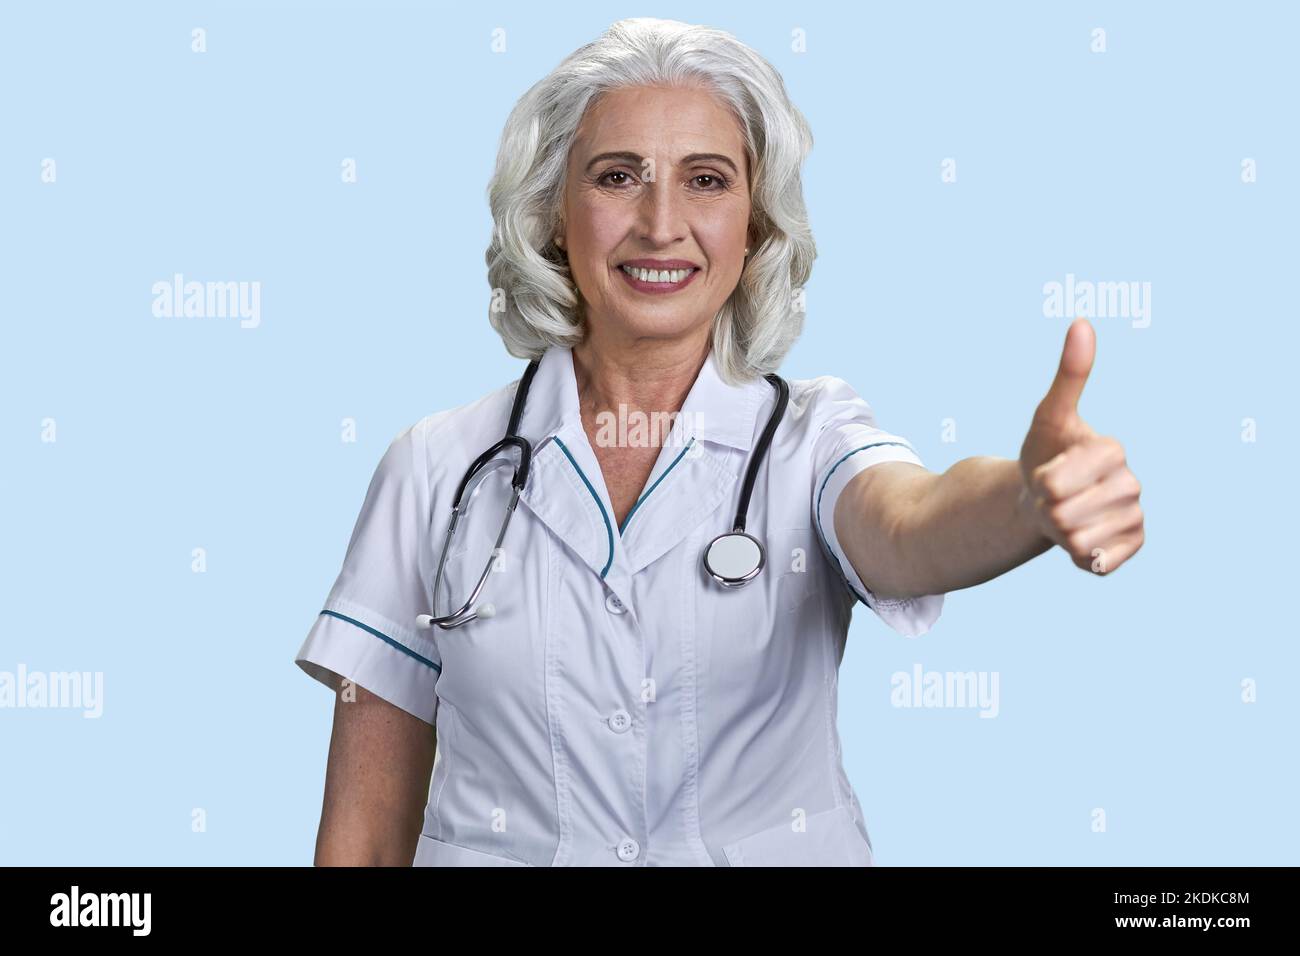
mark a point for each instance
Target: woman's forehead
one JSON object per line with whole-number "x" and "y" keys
{"x": 668, "y": 123}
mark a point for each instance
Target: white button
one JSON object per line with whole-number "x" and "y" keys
{"x": 620, "y": 721}
{"x": 614, "y": 604}
{"x": 629, "y": 850}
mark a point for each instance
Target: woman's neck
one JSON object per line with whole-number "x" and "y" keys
{"x": 652, "y": 377}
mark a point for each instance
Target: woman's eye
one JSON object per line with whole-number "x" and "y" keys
{"x": 709, "y": 182}
{"x": 717, "y": 182}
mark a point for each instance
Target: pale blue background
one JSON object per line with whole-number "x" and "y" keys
{"x": 1121, "y": 692}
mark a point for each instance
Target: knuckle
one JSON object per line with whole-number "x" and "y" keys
{"x": 1040, "y": 473}
{"x": 1059, "y": 516}
{"x": 1114, "y": 449}
{"x": 1052, "y": 487}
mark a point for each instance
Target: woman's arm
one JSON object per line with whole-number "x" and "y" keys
{"x": 376, "y": 783}
{"x": 909, "y": 532}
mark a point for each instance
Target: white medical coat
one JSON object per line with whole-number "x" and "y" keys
{"x": 622, "y": 708}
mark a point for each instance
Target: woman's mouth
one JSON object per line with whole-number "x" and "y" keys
{"x": 657, "y": 281}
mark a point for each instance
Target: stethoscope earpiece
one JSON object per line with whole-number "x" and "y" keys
{"x": 734, "y": 559}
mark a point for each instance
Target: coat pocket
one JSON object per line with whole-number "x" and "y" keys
{"x": 431, "y": 852}
{"x": 829, "y": 838}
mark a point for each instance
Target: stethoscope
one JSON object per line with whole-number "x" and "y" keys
{"x": 733, "y": 558}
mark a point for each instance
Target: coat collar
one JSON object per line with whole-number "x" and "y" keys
{"x": 695, "y": 474}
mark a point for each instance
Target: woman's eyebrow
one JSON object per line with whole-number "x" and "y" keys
{"x": 636, "y": 158}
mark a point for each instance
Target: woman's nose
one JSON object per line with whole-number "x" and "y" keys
{"x": 662, "y": 213}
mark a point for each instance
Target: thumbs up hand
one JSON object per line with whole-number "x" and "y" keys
{"x": 1078, "y": 490}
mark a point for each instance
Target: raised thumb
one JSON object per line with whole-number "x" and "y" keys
{"x": 1062, "y": 399}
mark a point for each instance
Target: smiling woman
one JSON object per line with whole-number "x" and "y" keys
{"x": 658, "y": 147}
{"x": 609, "y": 694}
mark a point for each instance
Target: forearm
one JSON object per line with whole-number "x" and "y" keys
{"x": 952, "y": 530}
{"x": 376, "y": 784}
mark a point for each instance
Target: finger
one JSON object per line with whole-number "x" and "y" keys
{"x": 1076, "y": 468}
{"x": 1109, "y": 558}
{"x": 1115, "y": 488}
{"x": 1105, "y": 531}
{"x": 1077, "y": 354}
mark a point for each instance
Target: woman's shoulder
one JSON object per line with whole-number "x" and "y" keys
{"x": 821, "y": 386}
{"x": 448, "y": 440}
{"x": 473, "y": 420}
{"x": 823, "y": 399}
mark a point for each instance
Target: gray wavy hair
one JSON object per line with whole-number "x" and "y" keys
{"x": 535, "y": 302}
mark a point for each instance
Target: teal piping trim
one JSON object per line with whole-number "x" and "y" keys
{"x": 817, "y": 512}
{"x": 628, "y": 517}
{"x": 386, "y": 639}
{"x": 609, "y": 529}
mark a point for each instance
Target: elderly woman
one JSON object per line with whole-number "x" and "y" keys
{"x": 637, "y": 665}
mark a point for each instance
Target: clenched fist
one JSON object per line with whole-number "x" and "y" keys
{"x": 1078, "y": 490}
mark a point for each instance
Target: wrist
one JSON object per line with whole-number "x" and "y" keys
{"x": 1027, "y": 515}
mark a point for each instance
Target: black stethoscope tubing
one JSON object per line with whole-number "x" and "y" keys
{"x": 733, "y": 558}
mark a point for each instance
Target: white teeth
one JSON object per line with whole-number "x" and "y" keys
{"x": 666, "y": 276}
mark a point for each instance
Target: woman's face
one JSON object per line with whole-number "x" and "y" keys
{"x": 656, "y": 177}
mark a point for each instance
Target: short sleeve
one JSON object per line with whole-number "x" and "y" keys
{"x": 847, "y": 442}
{"x": 366, "y": 628}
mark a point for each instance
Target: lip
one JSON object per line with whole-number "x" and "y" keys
{"x": 658, "y": 288}
{"x": 659, "y": 264}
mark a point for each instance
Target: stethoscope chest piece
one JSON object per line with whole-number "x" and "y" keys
{"x": 734, "y": 559}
